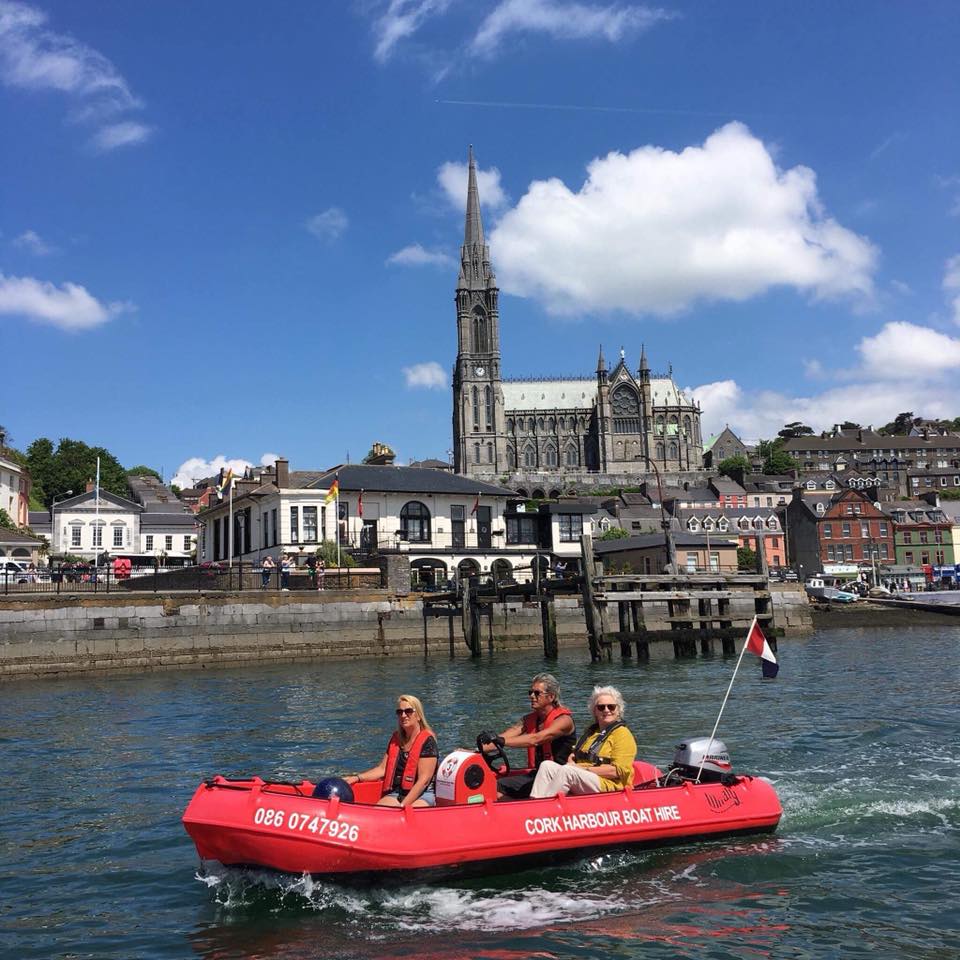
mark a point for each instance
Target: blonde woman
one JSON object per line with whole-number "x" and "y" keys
{"x": 410, "y": 763}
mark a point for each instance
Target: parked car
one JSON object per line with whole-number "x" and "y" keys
{"x": 17, "y": 571}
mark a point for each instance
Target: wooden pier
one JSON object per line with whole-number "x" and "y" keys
{"x": 693, "y": 611}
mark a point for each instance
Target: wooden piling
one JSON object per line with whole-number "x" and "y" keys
{"x": 591, "y": 608}
{"x": 548, "y": 619}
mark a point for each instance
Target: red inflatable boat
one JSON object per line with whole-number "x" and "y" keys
{"x": 254, "y": 822}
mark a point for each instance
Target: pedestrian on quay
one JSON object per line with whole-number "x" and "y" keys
{"x": 286, "y": 565}
{"x": 312, "y": 568}
{"x": 321, "y": 572}
{"x": 266, "y": 571}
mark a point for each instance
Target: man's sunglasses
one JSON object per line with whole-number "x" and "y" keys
{"x": 536, "y": 693}
{"x": 405, "y": 711}
{"x": 606, "y": 707}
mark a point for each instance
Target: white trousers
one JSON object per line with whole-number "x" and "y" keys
{"x": 553, "y": 778}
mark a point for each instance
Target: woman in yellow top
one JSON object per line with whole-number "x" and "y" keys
{"x": 601, "y": 761}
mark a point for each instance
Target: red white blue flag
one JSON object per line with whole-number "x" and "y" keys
{"x": 757, "y": 644}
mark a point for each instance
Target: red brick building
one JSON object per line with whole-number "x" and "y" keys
{"x": 847, "y": 528}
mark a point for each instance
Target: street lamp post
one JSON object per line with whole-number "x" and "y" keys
{"x": 664, "y": 522}
{"x": 53, "y": 519}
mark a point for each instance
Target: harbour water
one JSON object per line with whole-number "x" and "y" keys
{"x": 860, "y": 734}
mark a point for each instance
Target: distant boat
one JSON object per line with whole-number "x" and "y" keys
{"x": 819, "y": 589}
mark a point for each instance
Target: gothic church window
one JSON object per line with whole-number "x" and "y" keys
{"x": 529, "y": 456}
{"x": 488, "y": 406}
{"x": 480, "y": 338}
{"x": 572, "y": 456}
{"x": 659, "y": 451}
{"x": 475, "y": 396}
{"x": 511, "y": 456}
{"x": 550, "y": 455}
{"x": 489, "y": 453}
{"x": 673, "y": 450}
{"x": 626, "y": 410}
{"x": 660, "y": 422}
{"x": 476, "y": 453}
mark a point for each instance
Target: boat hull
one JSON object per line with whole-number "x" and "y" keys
{"x": 281, "y": 827}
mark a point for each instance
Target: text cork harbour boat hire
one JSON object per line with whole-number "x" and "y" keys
{"x": 282, "y": 826}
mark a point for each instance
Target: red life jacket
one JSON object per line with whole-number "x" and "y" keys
{"x": 409, "y": 777}
{"x": 531, "y": 724}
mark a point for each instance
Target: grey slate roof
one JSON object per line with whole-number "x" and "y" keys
{"x": 395, "y": 479}
{"x": 646, "y": 540}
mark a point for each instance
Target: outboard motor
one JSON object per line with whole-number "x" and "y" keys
{"x": 693, "y": 752}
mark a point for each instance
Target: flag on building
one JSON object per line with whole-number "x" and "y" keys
{"x": 226, "y": 482}
{"x": 333, "y": 492}
{"x": 476, "y": 504}
{"x": 360, "y": 505}
{"x": 757, "y": 644}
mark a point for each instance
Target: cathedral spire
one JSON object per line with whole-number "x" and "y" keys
{"x": 643, "y": 357}
{"x": 473, "y": 226}
{"x": 475, "y": 270}
{"x": 601, "y": 363}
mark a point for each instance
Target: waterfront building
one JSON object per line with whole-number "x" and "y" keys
{"x": 648, "y": 553}
{"x": 842, "y": 535}
{"x": 923, "y": 535}
{"x": 549, "y": 435}
{"x": 14, "y": 488}
{"x": 446, "y": 525}
{"x": 151, "y": 526}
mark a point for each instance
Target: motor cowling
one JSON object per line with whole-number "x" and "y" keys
{"x": 464, "y": 777}
{"x": 712, "y": 755}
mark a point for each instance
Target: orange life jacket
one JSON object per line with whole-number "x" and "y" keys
{"x": 533, "y": 724}
{"x": 409, "y": 776}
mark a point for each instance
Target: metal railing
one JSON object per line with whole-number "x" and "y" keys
{"x": 81, "y": 578}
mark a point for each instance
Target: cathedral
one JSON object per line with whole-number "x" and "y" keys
{"x": 615, "y": 427}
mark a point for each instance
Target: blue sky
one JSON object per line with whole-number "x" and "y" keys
{"x": 230, "y": 230}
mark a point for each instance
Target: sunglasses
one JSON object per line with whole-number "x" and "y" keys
{"x": 606, "y": 707}
{"x": 405, "y": 711}
{"x": 537, "y": 693}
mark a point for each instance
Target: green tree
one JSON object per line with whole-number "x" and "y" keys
{"x": 796, "y": 429}
{"x": 746, "y": 559}
{"x": 6, "y": 521}
{"x": 775, "y": 459}
{"x": 614, "y": 533}
{"x": 900, "y": 425}
{"x": 143, "y": 471}
{"x": 328, "y": 551}
{"x": 732, "y": 465}
{"x": 70, "y": 466}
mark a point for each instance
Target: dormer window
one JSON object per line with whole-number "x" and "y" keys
{"x": 829, "y": 485}
{"x": 820, "y": 509}
{"x": 811, "y": 485}
{"x": 693, "y": 524}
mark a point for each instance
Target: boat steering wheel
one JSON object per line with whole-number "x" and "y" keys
{"x": 495, "y": 759}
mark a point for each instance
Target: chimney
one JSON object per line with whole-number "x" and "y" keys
{"x": 860, "y": 436}
{"x": 282, "y": 471}
{"x": 91, "y": 484}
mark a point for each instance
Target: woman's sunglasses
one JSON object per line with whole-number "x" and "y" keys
{"x": 606, "y": 707}
{"x": 405, "y": 711}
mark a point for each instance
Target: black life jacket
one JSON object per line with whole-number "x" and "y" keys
{"x": 593, "y": 754}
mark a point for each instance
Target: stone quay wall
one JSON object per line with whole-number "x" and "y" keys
{"x": 57, "y": 636}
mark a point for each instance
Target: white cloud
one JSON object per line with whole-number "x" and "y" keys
{"x": 32, "y": 241}
{"x": 402, "y": 19}
{"x": 951, "y": 284}
{"x": 905, "y": 367}
{"x": 452, "y": 178}
{"x": 655, "y": 231}
{"x": 416, "y": 255}
{"x": 69, "y": 307}
{"x": 329, "y": 224}
{"x": 197, "y": 468}
{"x": 35, "y": 58}
{"x": 429, "y": 375}
{"x": 904, "y": 351}
{"x": 562, "y": 21}
{"x": 125, "y": 134}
